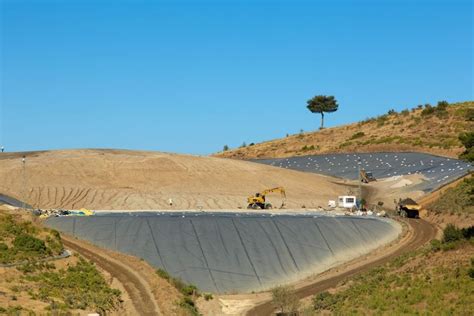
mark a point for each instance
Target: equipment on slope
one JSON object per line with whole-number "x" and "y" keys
{"x": 366, "y": 176}
{"x": 408, "y": 208}
{"x": 258, "y": 200}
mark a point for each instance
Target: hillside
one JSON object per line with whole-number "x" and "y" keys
{"x": 36, "y": 285}
{"x": 432, "y": 130}
{"x": 436, "y": 279}
{"x": 132, "y": 180}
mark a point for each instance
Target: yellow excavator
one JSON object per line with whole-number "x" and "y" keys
{"x": 258, "y": 200}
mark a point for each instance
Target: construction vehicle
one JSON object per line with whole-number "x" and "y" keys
{"x": 258, "y": 200}
{"x": 408, "y": 208}
{"x": 366, "y": 176}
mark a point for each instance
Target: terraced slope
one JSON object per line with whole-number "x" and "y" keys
{"x": 131, "y": 180}
{"x": 431, "y": 130}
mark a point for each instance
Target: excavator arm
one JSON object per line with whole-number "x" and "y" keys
{"x": 258, "y": 200}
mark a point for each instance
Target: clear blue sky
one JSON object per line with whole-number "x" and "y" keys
{"x": 191, "y": 76}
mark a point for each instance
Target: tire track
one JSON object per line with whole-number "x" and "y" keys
{"x": 137, "y": 288}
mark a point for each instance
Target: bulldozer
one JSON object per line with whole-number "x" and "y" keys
{"x": 258, "y": 200}
{"x": 366, "y": 176}
{"x": 408, "y": 208}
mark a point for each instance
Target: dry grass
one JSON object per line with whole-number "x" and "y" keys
{"x": 405, "y": 131}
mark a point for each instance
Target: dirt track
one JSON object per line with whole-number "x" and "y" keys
{"x": 423, "y": 232}
{"x": 136, "y": 287}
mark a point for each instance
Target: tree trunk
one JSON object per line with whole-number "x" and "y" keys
{"x": 322, "y": 120}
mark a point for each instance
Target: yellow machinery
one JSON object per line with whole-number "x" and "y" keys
{"x": 408, "y": 208}
{"x": 366, "y": 176}
{"x": 258, "y": 200}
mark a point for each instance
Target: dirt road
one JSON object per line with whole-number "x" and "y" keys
{"x": 423, "y": 232}
{"x": 136, "y": 287}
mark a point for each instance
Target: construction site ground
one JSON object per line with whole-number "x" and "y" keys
{"x": 112, "y": 180}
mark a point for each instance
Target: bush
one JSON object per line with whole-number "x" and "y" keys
{"x": 428, "y": 110}
{"x": 80, "y": 286}
{"x": 442, "y": 105}
{"x": 357, "y": 135}
{"x": 226, "y": 148}
{"x": 285, "y": 299}
{"x": 467, "y": 139}
{"x": 323, "y": 301}
{"x": 25, "y": 242}
{"x": 391, "y": 112}
{"x": 405, "y": 112}
{"x": 435, "y": 245}
{"x": 470, "y": 114}
{"x": 451, "y": 233}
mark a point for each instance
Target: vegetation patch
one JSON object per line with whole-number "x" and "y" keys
{"x": 357, "y": 135}
{"x": 21, "y": 241}
{"x": 425, "y": 281}
{"x": 189, "y": 291}
{"x": 80, "y": 286}
{"x": 457, "y": 200}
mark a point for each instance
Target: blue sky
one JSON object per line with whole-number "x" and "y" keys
{"x": 191, "y": 76}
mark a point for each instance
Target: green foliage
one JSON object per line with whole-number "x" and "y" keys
{"x": 208, "y": 296}
{"x": 391, "y": 112}
{"x": 420, "y": 288}
{"x": 306, "y": 148}
{"x": 80, "y": 286}
{"x": 285, "y": 299}
{"x": 357, "y": 135}
{"x": 321, "y": 104}
{"x": 459, "y": 199}
{"x": 324, "y": 301}
{"x": 405, "y": 112}
{"x": 189, "y": 291}
{"x": 440, "y": 110}
{"x": 453, "y": 235}
{"x": 226, "y": 148}
{"x": 469, "y": 114}
{"x": 25, "y": 240}
{"x": 467, "y": 139}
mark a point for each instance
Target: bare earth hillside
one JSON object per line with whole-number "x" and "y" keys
{"x": 132, "y": 180}
{"x": 420, "y": 130}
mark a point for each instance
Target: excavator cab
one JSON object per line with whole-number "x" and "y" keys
{"x": 258, "y": 200}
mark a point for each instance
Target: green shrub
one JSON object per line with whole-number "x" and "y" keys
{"x": 80, "y": 286}
{"x": 163, "y": 274}
{"x": 428, "y": 110}
{"x": 357, "y": 135}
{"x": 25, "y": 242}
{"x": 469, "y": 114}
{"x": 208, "y": 296}
{"x": 285, "y": 299}
{"x": 451, "y": 233}
{"x": 435, "y": 245}
{"x": 405, "y": 112}
{"x": 323, "y": 301}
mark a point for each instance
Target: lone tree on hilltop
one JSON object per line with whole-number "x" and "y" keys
{"x": 321, "y": 104}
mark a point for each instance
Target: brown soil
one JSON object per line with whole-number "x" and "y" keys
{"x": 400, "y": 133}
{"x": 132, "y": 180}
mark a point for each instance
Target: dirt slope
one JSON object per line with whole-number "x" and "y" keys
{"x": 410, "y": 130}
{"x": 130, "y": 180}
